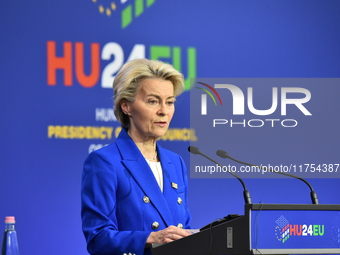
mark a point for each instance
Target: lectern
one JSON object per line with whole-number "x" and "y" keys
{"x": 265, "y": 229}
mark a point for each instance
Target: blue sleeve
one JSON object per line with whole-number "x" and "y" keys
{"x": 98, "y": 211}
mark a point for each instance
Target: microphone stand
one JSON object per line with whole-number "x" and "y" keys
{"x": 314, "y": 197}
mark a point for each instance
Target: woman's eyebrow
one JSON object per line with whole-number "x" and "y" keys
{"x": 157, "y": 96}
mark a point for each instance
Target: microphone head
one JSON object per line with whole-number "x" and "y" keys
{"x": 193, "y": 150}
{"x": 222, "y": 154}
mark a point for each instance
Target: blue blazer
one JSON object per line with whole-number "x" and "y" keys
{"x": 122, "y": 202}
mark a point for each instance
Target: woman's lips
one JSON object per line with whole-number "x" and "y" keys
{"x": 161, "y": 123}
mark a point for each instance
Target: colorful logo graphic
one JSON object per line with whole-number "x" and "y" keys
{"x": 204, "y": 97}
{"x": 128, "y": 11}
{"x": 106, "y": 60}
{"x": 284, "y": 230}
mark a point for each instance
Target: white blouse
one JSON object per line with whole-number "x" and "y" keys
{"x": 157, "y": 172}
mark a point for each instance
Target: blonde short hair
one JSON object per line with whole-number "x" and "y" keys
{"x": 130, "y": 77}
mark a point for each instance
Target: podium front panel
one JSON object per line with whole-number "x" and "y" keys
{"x": 298, "y": 229}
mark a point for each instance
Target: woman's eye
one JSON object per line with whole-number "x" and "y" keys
{"x": 170, "y": 103}
{"x": 153, "y": 102}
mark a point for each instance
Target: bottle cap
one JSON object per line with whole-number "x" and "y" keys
{"x": 10, "y": 219}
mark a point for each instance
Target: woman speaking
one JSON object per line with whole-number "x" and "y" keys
{"x": 134, "y": 192}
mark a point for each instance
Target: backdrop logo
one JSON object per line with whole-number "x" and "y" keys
{"x": 284, "y": 230}
{"x": 94, "y": 64}
{"x": 204, "y": 97}
{"x": 128, "y": 10}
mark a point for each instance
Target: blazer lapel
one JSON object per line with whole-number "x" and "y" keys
{"x": 169, "y": 179}
{"x": 142, "y": 174}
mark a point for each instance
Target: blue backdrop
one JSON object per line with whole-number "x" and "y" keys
{"x": 58, "y": 59}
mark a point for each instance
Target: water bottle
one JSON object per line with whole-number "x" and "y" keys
{"x": 10, "y": 240}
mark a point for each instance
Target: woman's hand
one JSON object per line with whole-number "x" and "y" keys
{"x": 167, "y": 235}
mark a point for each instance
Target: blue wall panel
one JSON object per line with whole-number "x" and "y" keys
{"x": 41, "y": 171}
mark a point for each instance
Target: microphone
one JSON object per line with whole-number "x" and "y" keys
{"x": 246, "y": 194}
{"x": 314, "y": 197}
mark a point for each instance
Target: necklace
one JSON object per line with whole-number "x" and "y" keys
{"x": 153, "y": 157}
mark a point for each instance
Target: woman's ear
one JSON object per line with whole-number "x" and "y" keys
{"x": 125, "y": 107}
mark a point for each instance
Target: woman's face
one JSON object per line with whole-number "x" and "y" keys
{"x": 151, "y": 112}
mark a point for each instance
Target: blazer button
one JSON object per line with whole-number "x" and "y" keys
{"x": 180, "y": 225}
{"x": 179, "y": 200}
{"x": 146, "y": 199}
{"x": 155, "y": 225}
